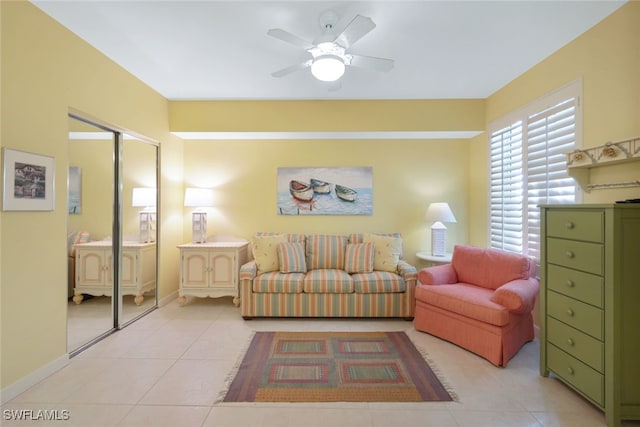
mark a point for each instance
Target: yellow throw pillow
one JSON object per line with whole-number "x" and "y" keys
{"x": 265, "y": 252}
{"x": 387, "y": 250}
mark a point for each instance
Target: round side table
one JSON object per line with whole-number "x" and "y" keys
{"x": 434, "y": 260}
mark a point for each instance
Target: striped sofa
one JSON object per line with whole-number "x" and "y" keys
{"x": 357, "y": 275}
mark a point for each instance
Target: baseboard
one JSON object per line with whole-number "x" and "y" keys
{"x": 25, "y": 383}
{"x": 166, "y": 300}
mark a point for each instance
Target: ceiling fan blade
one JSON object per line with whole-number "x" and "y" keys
{"x": 291, "y": 69}
{"x": 357, "y": 28}
{"x": 289, "y": 38}
{"x": 371, "y": 63}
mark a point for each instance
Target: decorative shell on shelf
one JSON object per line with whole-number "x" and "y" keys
{"x": 609, "y": 152}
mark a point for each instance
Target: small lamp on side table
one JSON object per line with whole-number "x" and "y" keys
{"x": 199, "y": 198}
{"x": 437, "y": 213}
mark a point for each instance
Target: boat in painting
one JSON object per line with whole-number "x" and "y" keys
{"x": 300, "y": 190}
{"x": 345, "y": 193}
{"x": 320, "y": 187}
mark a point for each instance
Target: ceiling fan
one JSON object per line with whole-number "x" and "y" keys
{"x": 329, "y": 52}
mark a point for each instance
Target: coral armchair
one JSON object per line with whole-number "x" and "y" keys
{"x": 482, "y": 301}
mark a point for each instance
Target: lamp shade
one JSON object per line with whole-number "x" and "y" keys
{"x": 143, "y": 196}
{"x": 198, "y": 197}
{"x": 327, "y": 68}
{"x": 439, "y": 212}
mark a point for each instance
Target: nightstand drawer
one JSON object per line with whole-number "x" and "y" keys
{"x": 582, "y": 286}
{"x": 576, "y": 373}
{"x": 581, "y": 316}
{"x": 579, "y": 255}
{"x": 579, "y": 345}
{"x": 577, "y": 225}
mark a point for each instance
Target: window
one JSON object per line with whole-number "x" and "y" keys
{"x": 528, "y": 167}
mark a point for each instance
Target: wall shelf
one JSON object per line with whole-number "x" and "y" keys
{"x": 579, "y": 162}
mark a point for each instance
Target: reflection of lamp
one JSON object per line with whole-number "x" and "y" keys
{"x": 199, "y": 198}
{"x": 437, "y": 213}
{"x": 146, "y": 197}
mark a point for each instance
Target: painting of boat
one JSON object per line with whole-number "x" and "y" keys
{"x": 320, "y": 187}
{"x": 345, "y": 193}
{"x": 300, "y": 190}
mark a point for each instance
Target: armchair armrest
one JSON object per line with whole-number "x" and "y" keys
{"x": 407, "y": 271}
{"x": 248, "y": 271}
{"x": 517, "y": 296}
{"x": 438, "y": 275}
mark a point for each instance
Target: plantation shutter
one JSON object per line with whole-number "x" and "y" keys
{"x": 528, "y": 168}
{"x": 506, "y": 188}
{"x": 550, "y": 135}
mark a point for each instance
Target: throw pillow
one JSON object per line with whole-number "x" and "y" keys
{"x": 358, "y": 258}
{"x": 265, "y": 252}
{"x": 292, "y": 258}
{"x": 387, "y": 250}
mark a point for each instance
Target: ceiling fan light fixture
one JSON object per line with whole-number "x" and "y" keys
{"x": 327, "y": 68}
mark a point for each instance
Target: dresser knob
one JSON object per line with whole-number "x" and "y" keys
{"x": 570, "y": 284}
{"x": 569, "y": 225}
{"x": 570, "y": 370}
{"x": 570, "y": 312}
{"x": 570, "y": 342}
{"x": 569, "y": 254}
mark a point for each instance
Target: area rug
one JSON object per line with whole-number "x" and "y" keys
{"x": 334, "y": 367}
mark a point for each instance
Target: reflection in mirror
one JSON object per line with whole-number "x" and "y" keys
{"x": 89, "y": 230}
{"x": 139, "y": 232}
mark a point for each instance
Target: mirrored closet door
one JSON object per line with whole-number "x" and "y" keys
{"x": 112, "y": 236}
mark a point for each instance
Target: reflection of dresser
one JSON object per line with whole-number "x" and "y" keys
{"x": 94, "y": 269}
{"x": 590, "y": 302}
{"x": 211, "y": 269}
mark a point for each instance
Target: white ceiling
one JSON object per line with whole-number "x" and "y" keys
{"x": 209, "y": 50}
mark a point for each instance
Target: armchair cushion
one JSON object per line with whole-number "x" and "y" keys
{"x": 489, "y": 268}
{"x": 518, "y": 296}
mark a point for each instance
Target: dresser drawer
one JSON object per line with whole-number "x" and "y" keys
{"x": 585, "y": 287}
{"x": 578, "y": 255}
{"x": 581, "y": 316}
{"x": 577, "y": 225}
{"x": 579, "y": 345}
{"x": 576, "y": 373}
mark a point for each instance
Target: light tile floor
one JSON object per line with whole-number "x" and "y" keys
{"x": 168, "y": 369}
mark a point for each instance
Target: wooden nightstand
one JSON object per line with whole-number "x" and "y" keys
{"x": 434, "y": 260}
{"x": 211, "y": 269}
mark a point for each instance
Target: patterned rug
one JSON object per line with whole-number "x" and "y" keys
{"x": 334, "y": 367}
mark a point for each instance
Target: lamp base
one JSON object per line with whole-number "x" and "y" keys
{"x": 147, "y": 227}
{"x": 438, "y": 239}
{"x": 199, "y": 227}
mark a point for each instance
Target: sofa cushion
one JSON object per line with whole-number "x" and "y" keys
{"x": 359, "y": 238}
{"x": 378, "y": 282}
{"x": 489, "y": 268}
{"x": 328, "y": 281}
{"x": 464, "y": 299}
{"x": 325, "y": 251}
{"x": 276, "y": 282}
{"x": 358, "y": 258}
{"x": 292, "y": 258}
{"x": 265, "y": 252}
{"x": 387, "y": 251}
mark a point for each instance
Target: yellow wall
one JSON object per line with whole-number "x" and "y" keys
{"x": 607, "y": 58}
{"x": 407, "y": 176}
{"x": 46, "y": 70}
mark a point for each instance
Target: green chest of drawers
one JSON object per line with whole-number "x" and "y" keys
{"x": 590, "y": 303}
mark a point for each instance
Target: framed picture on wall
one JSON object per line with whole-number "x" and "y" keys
{"x": 75, "y": 190}
{"x": 325, "y": 191}
{"x": 28, "y": 181}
